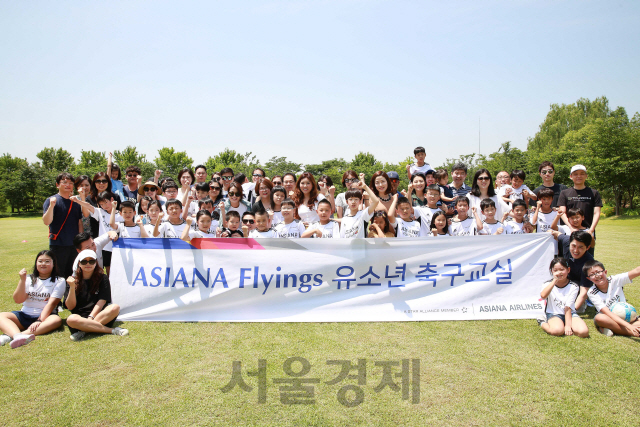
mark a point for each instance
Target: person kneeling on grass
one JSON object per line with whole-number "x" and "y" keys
{"x": 39, "y": 293}
{"x": 605, "y": 292}
{"x": 89, "y": 300}
{"x": 561, "y": 294}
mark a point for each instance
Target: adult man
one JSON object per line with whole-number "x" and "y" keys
{"x": 63, "y": 217}
{"x": 84, "y": 241}
{"x": 547, "y": 172}
{"x": 395, "y": 181}
{"x": 226, "y": 177}
{"x": 583, "y": 197}
{"x": 459, "y": 174}
{"x": 201, "y": 174}
{"x": 131, "y": 189}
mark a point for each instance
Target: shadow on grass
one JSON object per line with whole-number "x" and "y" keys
{"x": 623, "y": 217}
{"x": 21, "y": 215}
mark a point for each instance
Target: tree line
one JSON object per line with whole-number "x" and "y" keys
{"x": 606, "y": 141}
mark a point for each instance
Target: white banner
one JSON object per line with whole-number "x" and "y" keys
{"x": 331, "y": 280}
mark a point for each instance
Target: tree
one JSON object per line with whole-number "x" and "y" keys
{"x": 280, "y": 166}
{"x": 10, "y": 168}
{"x": 130, "y": 157}
{"x": 240, "y": 163}
{"x": 366, "y": 163}
{"x": 59, "y": 160}
{"x": 171, "y": 161}
{"x": 90, "y": 163}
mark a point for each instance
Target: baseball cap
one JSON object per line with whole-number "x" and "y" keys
{"x": 578, "y": 168}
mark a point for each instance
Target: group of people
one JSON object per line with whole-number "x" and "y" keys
{"x": 221, "y": 204}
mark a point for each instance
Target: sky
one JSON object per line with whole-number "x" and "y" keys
{"x": 309, "y": 81}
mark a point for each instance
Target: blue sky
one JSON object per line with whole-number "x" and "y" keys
{"x": 307, "y": 80}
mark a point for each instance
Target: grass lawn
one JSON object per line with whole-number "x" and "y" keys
{"x": 471, "y": 373}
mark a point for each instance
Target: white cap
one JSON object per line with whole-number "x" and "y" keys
{"x": 578, "y": 168}
{"x": 87, "y": 253}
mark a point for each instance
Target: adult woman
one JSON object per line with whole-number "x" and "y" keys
{"x": 185, "y": 179}
{"x": 235, "y": 202}
{"x": 416, "y": 189}
{"x": 381, "y": 186}
{"x": 100, "y": 182}
{"x": 89, "y": 300}
{"x": 289, "y": 184}
{"x": 350, "y": 182}
{"x": 306, "y": 198}
{"x": 482, "y": 188}
{"x": 39, "y": 293}
{"x": 84, "y": 182}
{"x": 215, "y": 191}
{"x": 263, "y": 190}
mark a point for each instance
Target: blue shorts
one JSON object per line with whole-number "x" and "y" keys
{"x": 25, "y": 319}
{"x": 561, "y": 316}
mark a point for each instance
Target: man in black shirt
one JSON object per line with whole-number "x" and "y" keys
{"x": 583, "y": 197}
{"x": 547, "y": 172}
{"x": 63, "y": 216}
{"x": 133, "y": 181}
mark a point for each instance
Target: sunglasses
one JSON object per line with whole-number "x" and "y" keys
{"x": 150, "y": 189}
{"x": 547, "y": 171}
{"x": 234, "y": 194}
{"x": 484, "y": 178}
{"x": 215, "y": 178}
{"x": 351, "y": 181}
{"x": 257, "y": 174}
{"x": 248, "y": 221}
{"x": 101, "y": 181}
{"x": 88, "y": 261}
{"x": 214, "y": 188}
{"x": 227, "y": 178}
{"x": 277, "y": 183}
{"x": 132, "y": 175}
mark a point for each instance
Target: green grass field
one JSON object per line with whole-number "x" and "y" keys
{"x": 472, "y": 373}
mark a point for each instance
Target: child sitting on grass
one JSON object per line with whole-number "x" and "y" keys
{"x": 39, "y": 293}
{"x": 604, "y": 293}
{"x": 560, "y": 294}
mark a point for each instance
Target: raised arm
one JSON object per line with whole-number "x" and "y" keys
{"x": 47, "y": 217}
{"x": 479, "y": 225}
{"x": 534, "y": 218}
{"x": 112, "y": 220}
{"x": 554, "y": 223}
{"x": 392, "y": 211}
{"x": 109, "y": 164}
{"x": 185, "y": 231}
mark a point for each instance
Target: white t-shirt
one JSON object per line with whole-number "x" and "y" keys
{"x": 103, "y": 219}
{"x": 440, "y": 235}
{"x": 467, "y": 227}
{"x": 545, "y": 220}
{"x": 491, "y": 229}
{"x": 198, "y": 234}
{"x": 516, "y": 193}
{"x": 415, "y": 168}
{"x": 559, "y": 298}
{"x": 293, "y": 230}
{"x": 341, "y": 202}
{"x": 128, "y": 232}
{"x": 241, "y": 209}
{"x": 149, "y": 228}
{"x": 330, "y": 230}
{"x": 501, "y": 206}
{"x": 353, "y": 226}
{"x": 511, "y": 226}
{"x": 277, "y": 218}
{"x": 615, "y": 292}
{"x": 38, "y": 294}
{"x": 425, "y": 213}
{"x": 310, "y": 215}
{"x": 269, "y": 234}
{"x": 407, "y": 229}
{"x": 171, "y": 231}
{"x": 248, "y": 189}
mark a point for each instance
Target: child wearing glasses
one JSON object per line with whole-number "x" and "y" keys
{"x": 39, "y": 293}
{"x": 604, "y": 293}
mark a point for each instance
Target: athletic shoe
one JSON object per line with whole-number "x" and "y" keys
{"x": 77, "y": 336}
{"x": 5, "y": 339}
{"x": 120, "y": 331}
{"x": 582, "y": 308}
{"x": 22, "y": 339}
{"x": 606, "y": 332}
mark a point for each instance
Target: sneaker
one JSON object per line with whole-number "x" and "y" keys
{"x": 606, "y": 332}
{"x": 22, "y": 339}
{"x": 5, "y": 339}
{"x": 582, "y": 308}
{"x": 120, "y": 331}
{"x": 77, "y": 336}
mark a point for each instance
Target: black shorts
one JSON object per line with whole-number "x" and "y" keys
{"x": 106, "y": 258}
